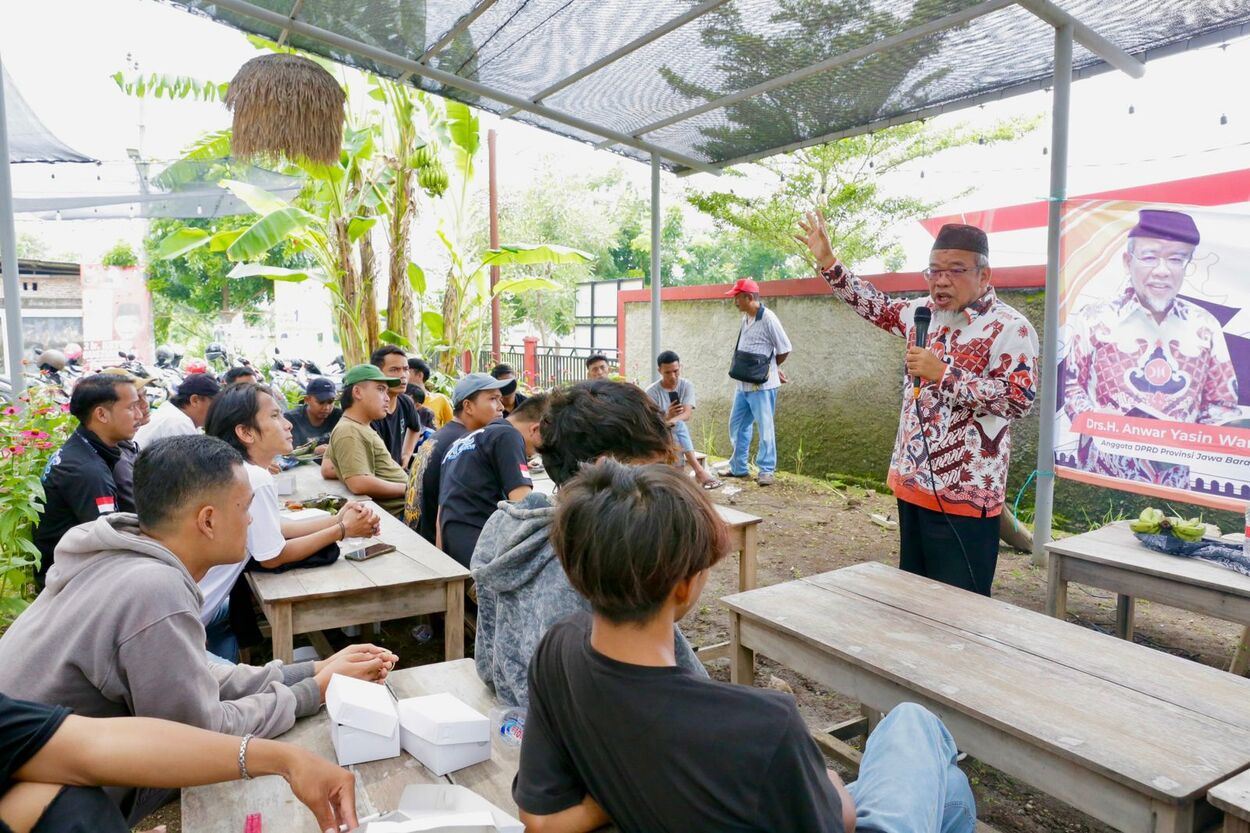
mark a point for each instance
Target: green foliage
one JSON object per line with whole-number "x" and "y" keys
{"x": 120, "y": 255}
{"x": 172, "y": 87}
{"x": 185, "y": 271}
{"x": 28, "y": 437}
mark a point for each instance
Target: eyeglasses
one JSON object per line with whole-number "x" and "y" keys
{"x": 954, "y": 274}
{"x": 1175, "y": 263}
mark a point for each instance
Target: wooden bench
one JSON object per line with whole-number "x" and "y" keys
{"x": 1132, "y": 737}
{"x": 1112, "y": 559}
{"x": 415, "y": 579}
{"x": 1233, "y": 797}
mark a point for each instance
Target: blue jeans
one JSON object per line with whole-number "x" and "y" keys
{"x": 220, "y": 640}
{"x": 681, "y": 433}
{"x": 753, "y": 409}
{"x": 908, "y": 780}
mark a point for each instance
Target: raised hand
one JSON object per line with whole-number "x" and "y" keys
{"x": 815, "y": 237}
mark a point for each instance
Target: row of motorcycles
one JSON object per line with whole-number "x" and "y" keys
{"x": 61, "y": 369}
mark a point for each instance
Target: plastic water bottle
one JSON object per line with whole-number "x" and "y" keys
{"x": 507, "y": 725}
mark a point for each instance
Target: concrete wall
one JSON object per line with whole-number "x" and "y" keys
{"x": 839, "y": 413}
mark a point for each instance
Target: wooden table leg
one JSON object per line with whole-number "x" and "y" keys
{"x": 1125, "y": 610}
{"x": 871, "y": 718}
{"x": 747, "y": 558}
{"x": 1056, "y": 587}
{"x": 282, "y": 636}
{"x": 453, "y": 631}
{"x": 1241, "y": 656}
{"x": 741, "y": 658}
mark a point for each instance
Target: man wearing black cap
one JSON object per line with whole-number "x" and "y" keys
{"x": 184, "y": 413}
{"x": 977, "y": 373}
{"x": 1147, "y": 353}
{"x": 316, "y": 418}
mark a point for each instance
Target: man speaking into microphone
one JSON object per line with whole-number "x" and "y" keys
{"x": 969, "y": 374}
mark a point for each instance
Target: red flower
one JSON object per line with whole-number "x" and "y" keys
{"x": 44, "y": 446}
{"x": 65, "y": 407}
{"x": 15, "y": 450}
{"x": 10, "y": 411}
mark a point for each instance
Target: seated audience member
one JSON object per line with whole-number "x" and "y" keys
{"x": 357, "y": 455}
{"x": 477, "y": 405}
{"x": 674, "y": 396}
{"x": 52, "y": 763}
{"x": 638, "y": 543}
{"x": 79, "y": 481}
{"x": 597, "y": 367}
{"x": 237, "y": 375}
{"x": 480, "y": 470}
{"x": 184, "y": 413}
{"x": 419, "y": 374}
{"x": 316, "y": 418}
{"x": 521, "y": 587}
{"x": 117, "y": 630}
{"x": 124, "y": 470}
{"x": 248, "y": 418}
{"x": 425, "y": 417}
{"x": 512, "y": 396}
{"x": 399, "y": 428}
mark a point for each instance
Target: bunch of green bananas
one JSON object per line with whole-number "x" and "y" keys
{"x": 1153, "y": 522}
{"x": 433, "y": 179}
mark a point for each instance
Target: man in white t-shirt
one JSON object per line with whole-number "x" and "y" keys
{"x": 674, "y": 396}
{"x": 184, "y": 413}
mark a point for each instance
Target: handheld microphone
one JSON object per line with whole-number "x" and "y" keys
{"x": 922, "y": 319}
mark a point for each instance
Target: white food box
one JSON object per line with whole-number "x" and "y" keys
{"x": 364, "y": 725}
{"x": 443, "y": 732}
{"x": 443, "y": 808}
{"x": 303, "y": 514}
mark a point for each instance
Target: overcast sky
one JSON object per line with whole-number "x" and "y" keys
{"x": 60, "y": 53}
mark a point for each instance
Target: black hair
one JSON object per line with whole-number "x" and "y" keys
{"x": 236, "y": 405}
{"x": 667, "y": 357}
{"x": 500, "y": 370}
{"x": 173, "y": 472}
{"x": 418, "y": 365}
{"x": 93, "y": 391}
{"x": 234, "y": 374}
{"x": 417, "y": 393}
{"x": 533, "y": 409}
{"x": 626, "y": 535}
{"x": 596, "y": 357}
{"x": 345, "y": 399}
{"x": 597, "y": 418}
{"x": 379, "y": 355}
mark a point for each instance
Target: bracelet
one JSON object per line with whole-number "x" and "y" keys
{"x": 243, "y": 757}
{"x": 342, "y": 530}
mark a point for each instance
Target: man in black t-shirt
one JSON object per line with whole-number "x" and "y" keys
{"x": 475, "y": 404}
{"x": 400, "y": 428}
{"x": 512, "y": 396}
{"x": 483, "y": 468}
{"x": 316, "y": 418}
{"x": 617, "y": 733}
{"x": 78, "y": 481}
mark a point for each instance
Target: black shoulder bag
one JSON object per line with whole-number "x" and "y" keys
{"x": 751, "y": 368}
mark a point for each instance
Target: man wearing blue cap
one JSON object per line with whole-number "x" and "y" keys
{"x": 1148, "y": 353}
{"x": 317, "y": 417}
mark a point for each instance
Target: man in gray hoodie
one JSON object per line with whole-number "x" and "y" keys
{"x": 117, "y": 632}
{"x": 521, "y": 588}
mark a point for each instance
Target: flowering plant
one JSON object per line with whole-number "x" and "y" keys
{"x": 30, "y": 432}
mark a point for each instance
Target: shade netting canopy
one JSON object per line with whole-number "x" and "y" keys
{"x": 29, "y": 139}
{"x": 713, "y": 83}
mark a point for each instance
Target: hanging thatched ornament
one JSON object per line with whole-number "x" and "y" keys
{"x": 286, "y": 105}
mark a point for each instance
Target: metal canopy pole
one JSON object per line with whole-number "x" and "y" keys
{"x": 13, "y": 348}
{"x": 1061, "y": 106}
{"x": 655, "y": 265}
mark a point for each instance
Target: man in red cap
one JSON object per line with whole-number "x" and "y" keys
{"x": 762, "y": 345}
{"x": 1148, "y": 353}
{"x": 977, "y": 373}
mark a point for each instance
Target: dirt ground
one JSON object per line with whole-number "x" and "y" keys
{"x": 811, "y": 527}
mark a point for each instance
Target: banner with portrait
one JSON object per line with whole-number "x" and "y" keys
{"x": 116, "y": 315}
{"x": 1154, "y": 349}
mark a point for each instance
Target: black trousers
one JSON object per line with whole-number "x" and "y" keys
{"x": 78, "y": 810}
{"x": 928, "y": 546}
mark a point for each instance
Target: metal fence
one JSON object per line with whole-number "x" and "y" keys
{"x": 555, "y": 365}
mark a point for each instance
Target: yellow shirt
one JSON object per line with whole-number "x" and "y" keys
{"x": 440, "y": 405}
{"x": 357, "y": 449}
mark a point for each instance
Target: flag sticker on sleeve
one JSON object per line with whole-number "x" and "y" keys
{"x": 105, "y": 505}
{"x": 525, "y": 471}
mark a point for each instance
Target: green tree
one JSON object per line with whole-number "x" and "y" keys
{"x": 198, "y": 280}
{"x": 120, "y": 255}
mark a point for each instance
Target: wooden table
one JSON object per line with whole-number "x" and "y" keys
{"x": 223, "y": 808}
{"x": 743, "y": 538}
{"x": 416, "y": 579}
{"x": 1130, "y": 736}
{"x": 1233, "y": 798}
{"x": 1111, "y": 558}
